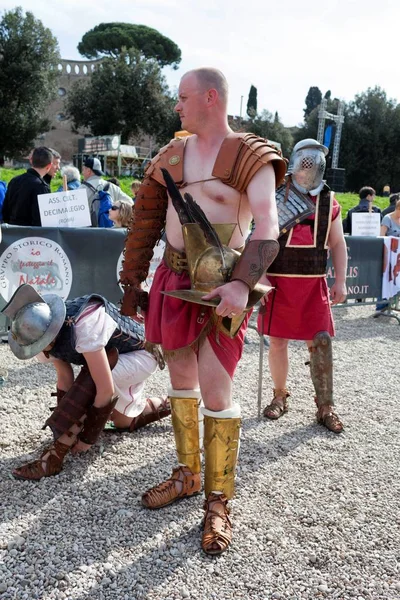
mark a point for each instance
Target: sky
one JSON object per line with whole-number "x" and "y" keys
{"x": 282, "y": 47}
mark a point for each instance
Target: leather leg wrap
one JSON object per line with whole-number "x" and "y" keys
{"x": 76, "y": 401}
{"x": 321, "y": 367}
{"x": 185, "y": 421}
{"x": 221, "y": 447}
{"x": 59, "y": 394}
{"x": 96, "y": 418}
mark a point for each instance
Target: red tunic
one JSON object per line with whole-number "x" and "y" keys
{"x": 299, "y": 307}
{"x": 178, "y": 325}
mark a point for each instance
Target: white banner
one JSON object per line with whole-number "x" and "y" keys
{"x": 391, "y": 267}
{"x": 64, "y": 209}
{"x": 366, "y": 224}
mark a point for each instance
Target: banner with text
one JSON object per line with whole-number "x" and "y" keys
{"x": 73, "y": 262}
{"x": 391, "y": 267}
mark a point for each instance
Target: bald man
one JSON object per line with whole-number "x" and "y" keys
{"x": 232, "y": 177}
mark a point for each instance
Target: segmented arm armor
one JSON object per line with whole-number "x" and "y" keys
{"x": 145, "y": 231}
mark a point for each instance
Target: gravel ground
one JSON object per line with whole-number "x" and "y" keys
{"x": 316, "y": 514}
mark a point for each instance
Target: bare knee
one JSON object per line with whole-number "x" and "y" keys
{"x": 184, "y": 373}
{"x": 278, "y": 344}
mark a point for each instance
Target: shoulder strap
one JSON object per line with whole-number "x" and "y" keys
{"x": 89, "y": 185}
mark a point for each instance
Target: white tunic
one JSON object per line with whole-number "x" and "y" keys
{"x": 93, "y": 329}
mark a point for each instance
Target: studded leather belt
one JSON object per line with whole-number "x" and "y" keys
{"x": 175, "y": 260}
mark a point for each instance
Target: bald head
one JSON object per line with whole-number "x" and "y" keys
{"x": 209, "y": 78}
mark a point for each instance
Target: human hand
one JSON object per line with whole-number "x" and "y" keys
{"x": 80, "y": 446}
{"x": 264, "y": 281}
{"x": 338, "y": 293}
{"x": 234, "y": 296}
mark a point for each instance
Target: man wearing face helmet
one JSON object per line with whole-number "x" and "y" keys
{"x": 299, "y": 307}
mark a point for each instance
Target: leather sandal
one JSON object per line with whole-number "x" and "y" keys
{"x": 45, "y": 466}
{"x": 182, "y": 484}
{"x": 330, "y": 420}
{"x": 155, "y": 410}
{"x": 217, "y": 525}
{"x": 279, "y": 405}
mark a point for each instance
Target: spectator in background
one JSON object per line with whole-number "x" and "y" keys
{"x": 392, "y": 204}
{"x": 20, "y": 203}
{"x": 391, "y": 222}
{"x": 135, "y": 185}
{"x": 73, "y": 178}
{"x": 94, "y": 182}
{"x": 390, "y": 226}
{"x": 3, "y": 188}
{"x": 55, "y": 166}
{"x": 367, "y": 197}
{"x": 386, "y": 191}
{"x": 121, "y": 214}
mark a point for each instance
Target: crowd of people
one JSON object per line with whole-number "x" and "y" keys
{"x": 109, "y": 205}
{"x": 201, "y": 194}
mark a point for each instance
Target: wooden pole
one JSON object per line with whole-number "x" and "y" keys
{"x": 65, "y": 184}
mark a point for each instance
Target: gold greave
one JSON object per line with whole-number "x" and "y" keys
{"x": 185, "y": 421}
{"x": 221, "y": 447}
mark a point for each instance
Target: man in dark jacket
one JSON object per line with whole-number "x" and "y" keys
{"x": 21, "y": 204}
{"x": 367, "y": 197}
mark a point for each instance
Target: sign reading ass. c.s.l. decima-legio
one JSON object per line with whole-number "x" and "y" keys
{"x": 64, "y": 209}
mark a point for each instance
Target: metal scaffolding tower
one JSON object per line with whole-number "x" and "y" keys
{"x": 339, "y": 120}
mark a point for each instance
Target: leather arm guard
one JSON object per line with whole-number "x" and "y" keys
{"x": 254, "y": 261}
{"x": 74, "y": 404}
{"x": 144, "y": 232}
{"x": 96, "y": 418}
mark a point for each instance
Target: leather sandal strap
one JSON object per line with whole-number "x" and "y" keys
{"x": 217, "y": 525}
{"x": 168, "y": 491}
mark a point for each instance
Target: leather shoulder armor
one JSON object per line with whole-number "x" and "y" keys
{"x": 169, "y": 157}
{"x": 242, "y": 155}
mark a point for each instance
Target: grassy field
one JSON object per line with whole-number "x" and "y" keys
{"x": 346, "y": 201}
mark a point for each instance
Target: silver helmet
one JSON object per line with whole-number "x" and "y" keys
{"x": 307, "y": 165}
{"x": 35, "y": 320}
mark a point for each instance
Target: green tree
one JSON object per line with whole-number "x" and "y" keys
{"x": 110, "y": 39}
{"x": 252, "y": 102}
{"x": 313, "y": 99}
{"x": 370, "y": 146}
{"x": 28, "y": 80}
{"x": 127, "y": 95}
{"x": 270, "y": 127}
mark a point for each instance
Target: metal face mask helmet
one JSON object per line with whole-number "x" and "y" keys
{"x": 307, "y": 165}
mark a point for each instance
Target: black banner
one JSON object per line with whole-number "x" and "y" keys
{"x": 73, "y": 262}
{"x": 364, "y": 270}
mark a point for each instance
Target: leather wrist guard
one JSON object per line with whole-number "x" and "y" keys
{"x": 96, "y": 418}
{"x": 144, "y": 232}
{"x": 254, "y": 261}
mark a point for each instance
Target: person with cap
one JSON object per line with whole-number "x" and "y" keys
{"x": 94, "y": 182}
{"x": 298, "y": 308}
{"x": 88, "y": 331}
{"x": 202, "y": 287}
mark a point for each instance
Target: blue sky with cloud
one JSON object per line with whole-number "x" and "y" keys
{"x": 282, "y": 48}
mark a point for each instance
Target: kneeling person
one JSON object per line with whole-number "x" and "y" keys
{"x": 87, "y": 331}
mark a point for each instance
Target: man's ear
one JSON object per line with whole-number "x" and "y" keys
{"x": 48, "y": 167}
{"x": 212, "y": 97}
